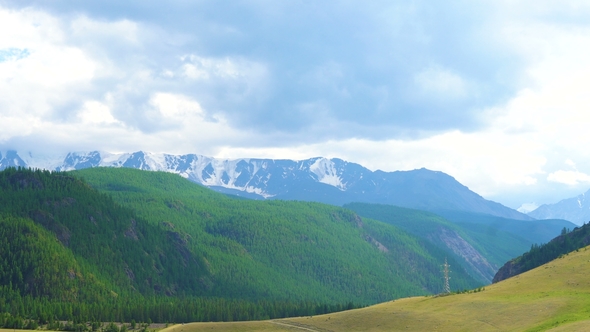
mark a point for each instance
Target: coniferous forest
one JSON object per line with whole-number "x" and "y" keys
{"x": 566, "y": 242}
{"x": 125, "y": 245}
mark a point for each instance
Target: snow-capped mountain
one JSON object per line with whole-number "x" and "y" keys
{"x": 575, "y": 209}
{"x": 331, "y": 181}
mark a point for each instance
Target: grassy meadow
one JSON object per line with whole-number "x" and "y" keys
{"x": 553, "y": 297}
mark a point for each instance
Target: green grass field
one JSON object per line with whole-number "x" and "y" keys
{"x": 553, "y": 297}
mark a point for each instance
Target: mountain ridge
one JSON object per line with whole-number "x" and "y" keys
{"x": 575, "y": 209}
{"x": 332, "y": 181}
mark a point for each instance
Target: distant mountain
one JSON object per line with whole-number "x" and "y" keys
{"x": 532, "y": 231}
{"x": 575, "y": 209}
{"x": 331, "y": 181}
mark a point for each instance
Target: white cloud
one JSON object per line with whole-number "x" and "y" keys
{"x": 49, "y": 74}
{"x": 17, "y": 125}
{"x": 571, "y": 163}
{"x": 50, "y": 67}
{"x": 569, "y": 177}
{"x": 94, "y": 112}
{"x": 28, "y": 26}
{"x": 176, "y": 106}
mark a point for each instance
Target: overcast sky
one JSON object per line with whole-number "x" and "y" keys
{"x": 494, "y": 93}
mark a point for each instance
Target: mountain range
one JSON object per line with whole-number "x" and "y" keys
{"x": 331, "y": 181}
{"x": 575, "y": 209}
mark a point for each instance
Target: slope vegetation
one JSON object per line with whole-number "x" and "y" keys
{"x": 91, "y": 233}
{"x": 281, "y": 250}
{"x": 552, "y": 297}
{"x": 152, "y": 245}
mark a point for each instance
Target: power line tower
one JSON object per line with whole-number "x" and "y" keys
{"x": 446, "y": 271}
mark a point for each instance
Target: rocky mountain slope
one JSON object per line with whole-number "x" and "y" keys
{"x": 331, "y": 181}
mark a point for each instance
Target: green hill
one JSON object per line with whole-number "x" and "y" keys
{"x": 130, "y": 244}
{"x": 278, "y": 249}
{"x": 110, "y": 241}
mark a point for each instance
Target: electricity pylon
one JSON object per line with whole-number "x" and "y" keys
{"x": 446, "y": 271}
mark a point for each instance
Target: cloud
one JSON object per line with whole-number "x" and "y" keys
{"x": 569, "y": 177}
{"x": 94, "y": 112}
{"x": 390, "y": 64}
{"x": 571, "y": 163}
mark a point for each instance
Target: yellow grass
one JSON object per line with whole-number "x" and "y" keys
{"x": 229, "y": 327}
{"x": 554, "y": 297}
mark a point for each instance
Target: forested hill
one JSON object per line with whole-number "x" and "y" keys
{"x": 281, "y": 249}
{"x": 568, "y": 241}
{"x": 128, "y": 244}
{"x": 101, "y": 247}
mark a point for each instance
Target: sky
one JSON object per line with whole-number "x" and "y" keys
{"x": 493, "y": 93}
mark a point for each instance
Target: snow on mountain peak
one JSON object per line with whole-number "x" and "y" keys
{"x": 326, "y": 172}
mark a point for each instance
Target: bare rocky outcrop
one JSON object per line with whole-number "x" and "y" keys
{"x": 131, "y": 232}
{"x": 470, "y": 255}
{"x": 510, "y": 269}
{"x": 47, "y": 220}
{"x": 376, "y": 243}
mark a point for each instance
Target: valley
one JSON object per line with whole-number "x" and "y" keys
{"x": 122, "y": 244}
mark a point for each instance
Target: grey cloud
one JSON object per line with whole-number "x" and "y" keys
{"x": 340, "y": 62}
